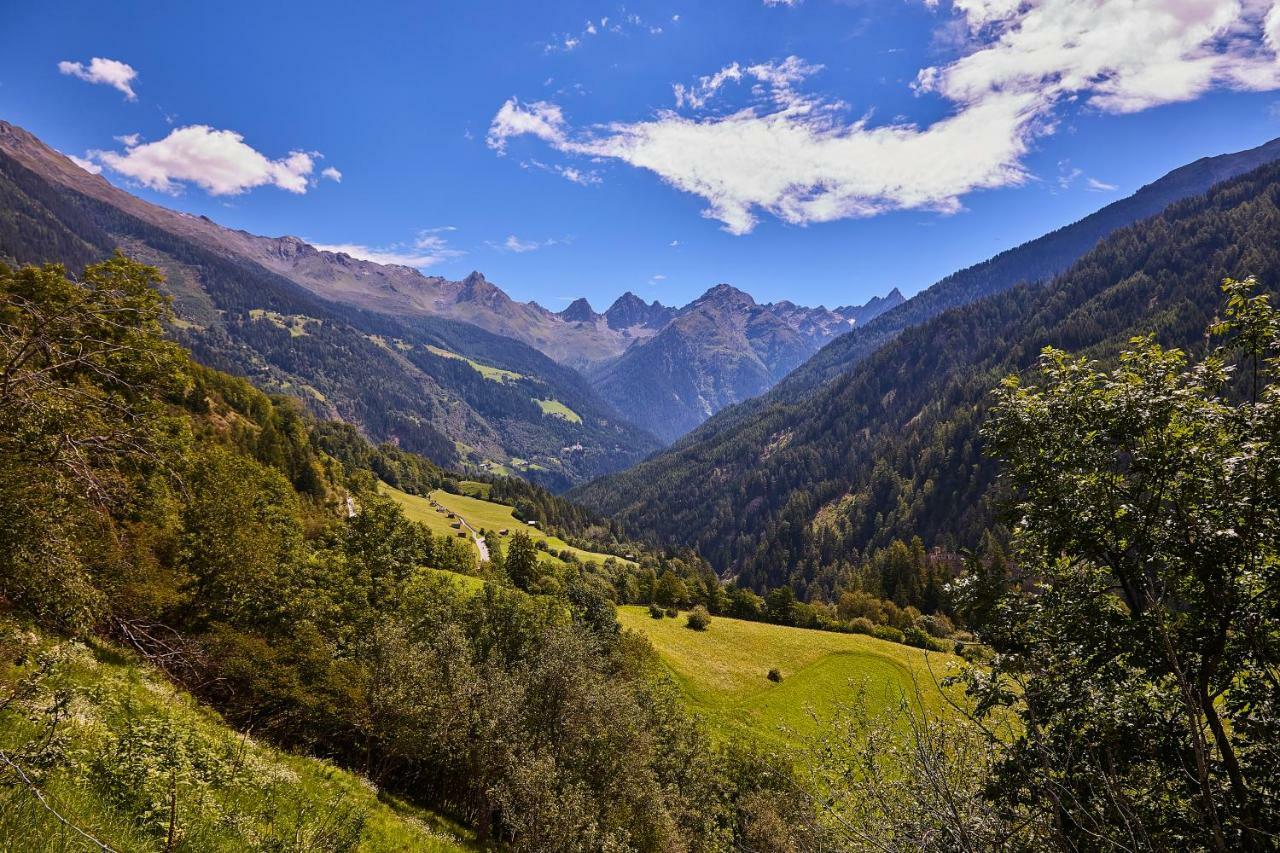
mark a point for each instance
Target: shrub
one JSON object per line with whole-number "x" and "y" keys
{"x": 862, "y": 625}
{"x": 774, "y": 675}
{"x": 936, "y": 625}
{"x": 698, "y": 618}
{"x": 656, "y": 612}
{"x": 672, "y": 612}
{"x": 917, "y": 637}
{"x": 885, "y": 632}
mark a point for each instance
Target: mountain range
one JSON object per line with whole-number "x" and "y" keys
{"x": 453, "y": 391}
{"x": 870, "y": 442}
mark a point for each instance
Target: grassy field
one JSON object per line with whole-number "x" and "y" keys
{"x": 420, "y": 509}
{"x": 255, "y": 797}
{"x": 495, "y": 517}
{"x": 558, "y": 410}
{"x": 474, "y": 489}
{"x": 494, "y": 374}
{"x": 723, "y": 672}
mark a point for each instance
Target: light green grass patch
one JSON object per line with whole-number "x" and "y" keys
{"x": 556, "y": 409}
{"x": 723, "y": 672}
{"x": 419, "y": 509}
{"x": 494, "y": 374}
{"x": 495, "y": 517}
{"x": 475, "y": 489}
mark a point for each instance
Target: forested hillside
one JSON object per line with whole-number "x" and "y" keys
{"x": 443, "y": 388}
{"x": 183, "y": 514}
{"x": 891, "y": 448}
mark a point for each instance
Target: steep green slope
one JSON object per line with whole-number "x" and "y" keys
{"x": 117, "y": 751}
{"x": 386, "y": 374}
{"x": 891, "y": 447}
{"x": 1031, "y": 262}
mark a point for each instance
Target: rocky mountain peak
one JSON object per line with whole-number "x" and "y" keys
{"x": 630, "y": 310}
{"x": 579, "y": 311}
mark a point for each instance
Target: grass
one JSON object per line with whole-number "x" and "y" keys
{"x": 105, "y": 769}
{"x": 556, "y": 409}
{"x": 474, "y": 489}
{"x": 420, "y": 509}
{"x": 493, "y": 374}
{"x": 723, "y": 674}
{"x": 494, "y": 517}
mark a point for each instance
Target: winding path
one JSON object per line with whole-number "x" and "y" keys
{"x": 481, "y": 545}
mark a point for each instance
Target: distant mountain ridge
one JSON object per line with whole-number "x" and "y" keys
{"x": 450, "y": 390}
{"x": 722, "y": 348}
{"x": 891, "y": 447}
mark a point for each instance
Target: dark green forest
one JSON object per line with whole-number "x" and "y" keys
{"x": 806, "y": 493}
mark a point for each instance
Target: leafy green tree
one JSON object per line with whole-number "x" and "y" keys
{"x": 1140, "y": 654}
{"x": 83, "y": 373}
{"x": 522, "y": 561}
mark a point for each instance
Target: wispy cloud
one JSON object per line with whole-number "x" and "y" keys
{"x": 88, "y": 165}
{"x": 427, "y": 249}
{"x": 1100, "y": 186}
{"x": 218, "y": 161}
{"x": 520, "y": 246}
{"x": 800, "y": 158}
{"x": 332, "y": 174}
{"x": 624, "y": 23}
{"x": 108, "y": 72}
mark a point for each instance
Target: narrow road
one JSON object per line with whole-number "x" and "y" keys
{"x": 481, "y": 545}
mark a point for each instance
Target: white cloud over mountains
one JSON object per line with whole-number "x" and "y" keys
{"x": 427, "y": 249}
{"x": 218, "y": 161}
{"x": 109, "y": 72}
{"x": 797, "y": 157}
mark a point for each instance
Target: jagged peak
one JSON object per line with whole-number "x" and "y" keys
{"x": 578, "y": 311}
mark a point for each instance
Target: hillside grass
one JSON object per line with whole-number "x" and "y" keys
{"x": 493, "y": 374}
{"x": 723, "y": 672}
{"x": 495, "y": 517}
{"x": 419, "y": 509}
{"x": 556, "y": 409}
{"x": 104, "y": 768}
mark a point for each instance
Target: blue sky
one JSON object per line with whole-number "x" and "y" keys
{"x": 817, "y": 151}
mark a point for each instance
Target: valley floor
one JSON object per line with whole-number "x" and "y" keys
{"x": 723, "y": 672}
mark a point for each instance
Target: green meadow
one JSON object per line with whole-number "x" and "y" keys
{"x": 723, "y": 672}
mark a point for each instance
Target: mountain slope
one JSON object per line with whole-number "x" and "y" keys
{"x": 890, "y": 448}
{"x": 722, "y": 348}
{"x": 450, "y": 390}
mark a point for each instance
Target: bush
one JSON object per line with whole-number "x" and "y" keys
{"x": 698, "y": 618}
{"x": 672, "y": 612}
{"x": 774, "y": 675}
{"x": 885, "y": 632}
{"x": 917, "y": 637}
{"x": 656, "y": 612}
{"x": 936, "y": 625}
{"x": 862, "y": 625}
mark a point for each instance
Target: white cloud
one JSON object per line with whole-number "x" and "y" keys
{"x": 674, "y": 243}
{"x": 332, "y": 174}
{"x": 519, "y": 246}
{"x": 1101, "y": 186}
{"x": 129, "y": 139}
{"x": 782, "y": 2}
{"x": 219, "y": 161}
{"x": 109, "y": 72}
{"x": 798, "y": 157}
{"x": 88, "y": 165}
{"x": 426, "y": 249}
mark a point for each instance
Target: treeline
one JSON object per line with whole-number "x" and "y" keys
{"x": 893, "y": 448}
{"x": 199, "y": 522}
